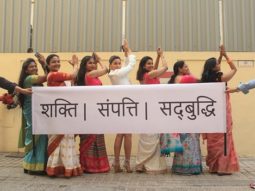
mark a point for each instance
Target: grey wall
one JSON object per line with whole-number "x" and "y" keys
{"x": 175, "y": 25}
{"x": 77, "y": 25}
{"x": 95, "y": 25}
{"x": 14, "y": 25}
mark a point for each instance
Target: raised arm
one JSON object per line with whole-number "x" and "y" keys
{"x": 222, "y": 50}
{"x": 126, "y": 49}
{"x": 126, "y": 69}
{"x": 130, "y": 59}
{"x": 41, "y": 59}
{"x": 162, "y": 70}
{"x": 74, "y": 62}
{"x": 159, "y": 55}
{"x": 98, "y": 72}
{"x": 229, "y": 75}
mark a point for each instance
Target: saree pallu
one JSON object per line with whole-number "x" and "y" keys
{"x": 149, "y": 158}
{"x": 63, "y": 158}
{"x": 190, "y": 160}
{"x": 21, "y": 141}
{"x": 215, "y": 160}
{"x": 169, "y": 143}
{"x": 93, "y": 155}
{"x": 35, "y": 158}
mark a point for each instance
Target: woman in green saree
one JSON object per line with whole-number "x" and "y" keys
{"x": 35, "y": 158}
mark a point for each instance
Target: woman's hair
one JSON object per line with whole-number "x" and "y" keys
{"x": 209, "y": 74}
{"x": 113, "y": 58}
{"x": 178, "y": 65}
{"x": 23, "y": 75}
{"x": 141, "y": 70}
{"x": 82, "y": 71}
{"x": 48, "y": 59}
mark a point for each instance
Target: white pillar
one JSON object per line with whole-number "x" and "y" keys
{"x": 32, "y": 2}
{"x": 123, "y": 20}
{"x": 221, "y": 17}
{"x": 32, "y": 12}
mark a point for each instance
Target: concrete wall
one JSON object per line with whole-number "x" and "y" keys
{"x": 242, "y": 105}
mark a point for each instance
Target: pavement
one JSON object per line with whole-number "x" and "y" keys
{"x": 12, "y": 178}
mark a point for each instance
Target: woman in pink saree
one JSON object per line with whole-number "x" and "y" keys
{"x": 216, "y": 160}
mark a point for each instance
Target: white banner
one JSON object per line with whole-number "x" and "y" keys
{"x": 175, "y": 108}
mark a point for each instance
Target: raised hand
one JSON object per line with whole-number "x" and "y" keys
{"x": 41, "y": 59}
{"x": 74, "y": 61}
{"x": 223, "y": 51}
{"x": 96, "y": 57}
{"x": 159, "y": 52}
{"x": 125, "y": 46}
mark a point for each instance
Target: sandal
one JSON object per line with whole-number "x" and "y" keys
{"x": 140, "y": 169}
{"x": 127, "y": 166}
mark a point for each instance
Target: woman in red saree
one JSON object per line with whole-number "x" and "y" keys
{"x": 63, "y": 159}
{"x": 93, "y": 155}
{"x": 216, "y": 160}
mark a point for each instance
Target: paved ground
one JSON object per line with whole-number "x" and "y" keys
{"x": 12, "y": 178}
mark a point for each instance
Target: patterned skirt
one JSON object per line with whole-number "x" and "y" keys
{"x": 170, "y": 143}
{"x": 35, "y": 160}
{"x": 190, "y": 161}
{"x": 93, "y": 155}
{"x": 63, "y": 158}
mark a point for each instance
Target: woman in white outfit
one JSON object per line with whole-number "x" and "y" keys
{"x": 148, "y": 157}
{"x": 119, "y": 76}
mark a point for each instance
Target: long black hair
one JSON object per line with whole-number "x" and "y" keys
{"x": 178, "y": 65}
{"x": 48, "y": 59}
{"x": 141, "y": 70}
{"x": 23, "y": 75}
{"x": 82, "y": 71}
{"x": 209, "y": 74}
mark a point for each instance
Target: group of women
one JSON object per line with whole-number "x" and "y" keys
{"x": 55, "y": 155}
